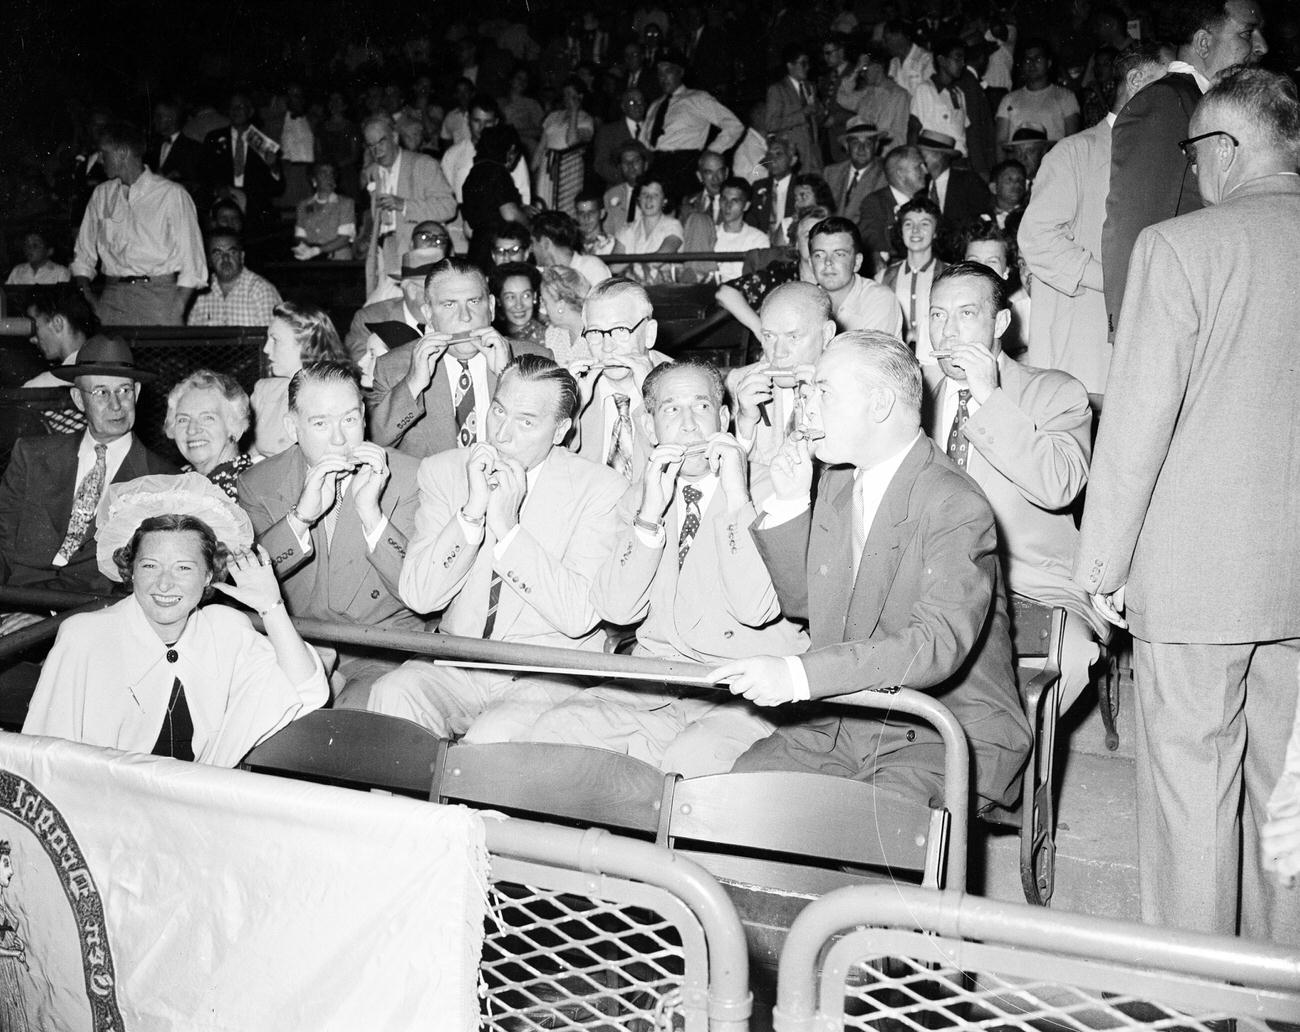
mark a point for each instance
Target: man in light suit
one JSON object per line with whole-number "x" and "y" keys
{"x": 508, "y": 539}
{"x": 1060, "y": 237}
{"x": 1023, "y": 435}
{"x": 896, "y": 572}
{"x": 618, "y": 341}
{"x": 1149, "y": 179}
{"x": 405, "y": 189}
{"x": 851, "y": 181}
{"x": 686, "y": 570}
{"x": 794, "y": 110}
{"x": 431, "y": 394}
{"x": 1192, "y": 525}
{"x": 335, "y": 513}
{"x": 38, "y": 546}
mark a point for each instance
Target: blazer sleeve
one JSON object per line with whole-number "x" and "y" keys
{"x": 431, "y": 197}
{"x": 784, "y": 549}
{"x": 959, "y": 559}
{"x": 621, "y": 589}
{"x": 440, "y": 557}
{"x": 781, "y": 114}
{"x": 393, "y": 410}
{"x": 748, "y": 593}
{"x": 390, "y": 550}
{"x": 1046, "y": 230}
{"x": 1043, "y": 452}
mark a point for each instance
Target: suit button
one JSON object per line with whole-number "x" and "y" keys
{"x": 911, "y": 736}
{"x": 374, "y": 593}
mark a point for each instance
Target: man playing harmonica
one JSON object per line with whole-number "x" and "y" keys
{"x": 508, "y": 538}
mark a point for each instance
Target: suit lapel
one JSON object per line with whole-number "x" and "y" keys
{"x": 544, "y": 513}
{"x": 829, "y": 561}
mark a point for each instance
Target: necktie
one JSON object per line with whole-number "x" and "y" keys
{"x": 176, "y": 736}
{"x": 657, "y": 124}
{"x": 958, "y": 446}
{"x": 494, "y": 598}
{"x": 241, "y": 154}
{"x": 620, "y": 441}
{"x": 163, "y": 151}
{"x": 713, "y": 209}
{"x": 466, "y": 429}
{"x": 848, "y": 191}
{"x": 84, "y": 504}
{"x": 934, "y": 195}
{"x": 691, "y": 524}
{"x": 332, "y": 517}
{"x": 858, "y": 526}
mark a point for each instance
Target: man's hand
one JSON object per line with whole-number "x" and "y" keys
{"x": 494, "y": 348}
{"x": 660, "y": 481}
{"x": 11, "y": 622}
{"x": 792, "y": 471}
{"x": 317, "y": 497}
{"x": 763, "y": 680}
{"x": 753, "y": 391}
{"x": 640, "y": 365}
{"x": 1111, "y": 606}
{"x": 586, "y": 371}
{"x": 479, "y": 469}
{"x": 389, "y": 202}
{"x": 981, "y": 369}
{"x": 507, "y": 497}
{"x": 729, "y": 463}
{"x": 371, "y": 476}
{"x": 424, "y": 360}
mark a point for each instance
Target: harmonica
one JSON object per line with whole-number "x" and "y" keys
{"x": 807, "y": 433}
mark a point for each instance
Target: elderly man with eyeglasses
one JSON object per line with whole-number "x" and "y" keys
{"x": 610, "y": 364}
{"x": 54, "y": 489}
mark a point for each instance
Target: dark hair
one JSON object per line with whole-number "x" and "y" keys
{"x": 1266, "y": 101}
{"x": 1002, "y": 166}
{"x": 484, "y": 103}
{"x": 791, "y": 53}
{"x": 495, "y": 143}
{"x": 575, "y": 83}
{"x": 590, "y": 195}
{"x": 66, "y": 300}
{"x": 738, "y": 183}
{"x": 821, "y": 189}
{"x": 711, "y": 373}
{"x": 123, "y": 134}
{"x": 453, "y": 265}
{"x": 224, "y": 231}
{"x": 497, "y": 277}
{"x": 977, "y": 270}
{"x": 322, "y": 372}
{"x": 508, "y": 229}
{"x": 539, "y": 369}
{"x": 1141, "y": 52}
{"x": 214, "y": 552}
{"x": 876, "y": 54}
{"x": 559, "y": 228}
{"x": 984, "y": 230}
{"x": 916, "y": 206}
{"x": 945, "y": 45}
{"x": 1188, "y": 18}
{"x": 837, "y": 224}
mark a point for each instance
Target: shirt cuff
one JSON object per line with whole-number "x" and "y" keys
{"x": 373, "y": 539}
{"x": 501, "y": 547}
{"x": 303, "y": 537}
{"x": 655, "y": 540}
{"x": 777, "y": 511}
{"x": 798, "y": 679}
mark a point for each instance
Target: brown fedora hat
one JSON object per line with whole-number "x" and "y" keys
{"x": 104, "y": 356}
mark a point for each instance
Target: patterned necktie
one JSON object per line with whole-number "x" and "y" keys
{"x": 241, "y": 154}
{"x": 691, "y": 524}
{"x": 84, "y": 504}
{"x": 657, "y": 123}
{"x": 494, "y": 598}
{"x": 620, "y": 442}
{"x": 466, "y": 417}
{"x": 332, "y": 517}
{"x": 848, "y": 191}
{"x": 958, "y": 446}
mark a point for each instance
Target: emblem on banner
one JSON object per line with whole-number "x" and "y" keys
{"x": 56, "y": 965}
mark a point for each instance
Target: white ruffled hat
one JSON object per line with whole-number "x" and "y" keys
{"x": 188, "y": 494}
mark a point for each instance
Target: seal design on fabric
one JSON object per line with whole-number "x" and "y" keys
{"x": 21, "y": 948}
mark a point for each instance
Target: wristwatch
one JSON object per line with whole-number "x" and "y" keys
{"x": 646, "y": 525}
{"x": 475, "y": 521}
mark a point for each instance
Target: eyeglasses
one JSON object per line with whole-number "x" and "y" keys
{"x": 433, "y": 238}
{"x": 1188, "y": 146}
{"x": 620, "y": 335}
{"x": 102, "y": 394}
{"x": 505, "y": 252}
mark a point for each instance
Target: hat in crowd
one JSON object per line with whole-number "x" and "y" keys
{"x": 103, "y": 355}
{"x": 132, "y": 502}
{"x": 941, "y": 142}
{"x": 859, "y": 126}
{"x": 673, "y": 57}
{"x": 417, "y": 263}
{"x": 1030, "y": 134}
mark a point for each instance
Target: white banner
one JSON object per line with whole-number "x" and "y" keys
{"x": 140, "y": 894}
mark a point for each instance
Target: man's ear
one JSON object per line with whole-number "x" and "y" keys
{"x": 651, "y": 333}
{"x": 77, "y": 399}
{"x": 1001, "y": 323}
{"x": 648, "y": 425}
{"x": 857, "y": 261}
{"x": 291, "y": 426}
{"x": 829, "y": 329}
{"x": 562, "y": 429}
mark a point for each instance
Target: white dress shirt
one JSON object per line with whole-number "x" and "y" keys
{"x": 948, "y": 409}
{"x": 707, "y": 485}
{"x": 688, "y": 120}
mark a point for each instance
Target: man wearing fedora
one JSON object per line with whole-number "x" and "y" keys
{"x": 862, "y": 173}
{"x": 960, "y": 193}
{"x": 1027, "y": 145}
{"x": 875, "y": 97}
{"x": 51, "y": 493}
{"x": 379, "y": 327}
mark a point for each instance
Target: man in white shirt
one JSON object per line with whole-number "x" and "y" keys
{"x": 142, "y": 232}
{"x": 297, "y": 148}
{"x": 859, "y": 303}
{"x": 734, "y": 234}
{"x": 557, "y": 241}
{"x": 876, "y": 98}
{"x": 911, "y": 64}
{"x": 937, "y": 102}
{"x": 458, "y": 159}
{"x": 1039, "y": 101}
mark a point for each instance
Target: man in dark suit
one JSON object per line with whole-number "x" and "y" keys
{"x": 611, "y": 136}
{"x": 432, "y": 394}
{"x": 772, "y": 207}
{"x": 1150, "y": 180}
{"x": 895, "y": 568}
{"x": 171, "y": 153}
{"x": 242, "y": 160}
{"x": 335, "y": 513}
{"x": 960, "y": 193}
{"x": 852, "y": 180}
{"x": 56, "y": 486}
{"x": 905, "y": 177}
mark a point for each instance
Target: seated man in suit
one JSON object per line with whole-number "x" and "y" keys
{"x": 620, "y": 199}
{"x": 960, "y": 193}
{"x": 335, "y": 513}
{"x": 905, "y": 175}
{"x": 430, "y": 393}
{"x": 706, "y": 597}
{"x": 851, "y": 181}
{"x": 895, "y": 568}
{"x": 835, "y": 249}
{"x": 508, "y": 539}
{"x": 611, "y": 136}
{"x": 379, "y": 327}
{"x": 772, "y": 206}
{"x": 618, "y": 335}
{"x": 1023, "y": 435}
{"x": 51, "y": 494}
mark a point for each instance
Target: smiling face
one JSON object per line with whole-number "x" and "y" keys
{"x": 282, "y": 348}
{"x": 651, "y": 199}
{"x": 918, "y": 232}
{"x": 686, "y": 413}
{"x": 203, "y": 428}
{"x": 523, "y": 420}
{"x": 168, "y": 578}
{"x": 517, "y": 301}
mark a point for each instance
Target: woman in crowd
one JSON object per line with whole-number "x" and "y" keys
{"x": 811, "y": 191}
{"x": 562, "y": 295}
{"x": 207, "y": 416}
{"x": 298, "y": 334}
{"x": 519, "y": 109}
{"x": 326, "y": 223}
{"x": 490, "y": 194}
{"x": 561, "y": 129}
{"x": 916, "y": 225}
{"x": 155, "y": 673}
{"x": 516, "y": 287}
{"x": 743, "y": 297}
{"x": 655, "y": 232}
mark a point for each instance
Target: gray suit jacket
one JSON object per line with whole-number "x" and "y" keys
{"x": 421, "y": 184}
{"x": 343, "y": 582}
{"x": 871, "y": 180}
{"x": 1194, "y": 500}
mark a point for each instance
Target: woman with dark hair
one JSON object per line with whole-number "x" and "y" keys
{"x": 297, "y": 334}
{"x": 517, "y": 287}
{"x": 916, "y": 227}
{"x": 812, "y": 191}
{"x": 562, "y": 129}
{"x": 490, "y": 195}
{"x": 156, "y": 673}
{"x": 656, "y": 231}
